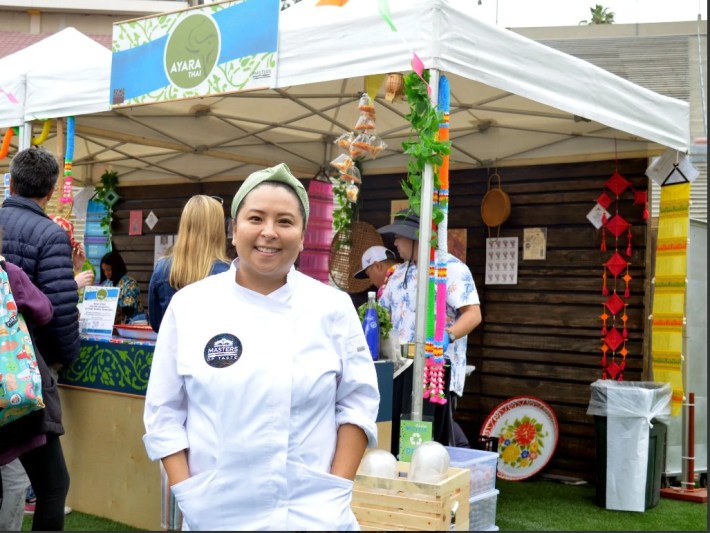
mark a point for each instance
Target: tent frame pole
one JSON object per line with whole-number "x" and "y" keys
{"x": 425, "y": 215}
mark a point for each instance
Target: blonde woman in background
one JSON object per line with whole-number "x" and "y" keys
{"x": 199, "y": 251}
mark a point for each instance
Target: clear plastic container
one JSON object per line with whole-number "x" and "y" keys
{"x": 482, "y": 512}
{"x": 482, "y": 465}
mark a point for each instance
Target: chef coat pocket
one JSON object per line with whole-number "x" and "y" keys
{"x": 328, "y": 497}
{"x": 193, "y": 495}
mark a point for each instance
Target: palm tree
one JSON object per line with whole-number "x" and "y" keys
{"x": 600, "y": 15}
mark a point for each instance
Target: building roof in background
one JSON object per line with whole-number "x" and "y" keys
{"x": 14, "y": 41}
{"x": 659, "y": 62}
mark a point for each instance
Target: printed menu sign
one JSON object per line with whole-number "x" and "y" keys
{"x": 98, "y": 311}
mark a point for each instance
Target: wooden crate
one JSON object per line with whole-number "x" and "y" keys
{"x": 396, "y": 504}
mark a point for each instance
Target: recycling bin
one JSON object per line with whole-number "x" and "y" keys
{"x": 630, "y": 422}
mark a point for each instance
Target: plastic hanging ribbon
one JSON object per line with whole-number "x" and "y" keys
{"x": 67, "y": 196}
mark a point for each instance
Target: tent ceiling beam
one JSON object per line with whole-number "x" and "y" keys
{"x": 285, "y": 123}
{"x": 267, "y": 142}
{"x": 178, "y": 147}
{"x": 151, "y": 164}
{"x": 318, "y": 112}
{"x": 148, "y": 126}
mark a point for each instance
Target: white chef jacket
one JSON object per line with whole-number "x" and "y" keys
{"x": 255, "y": 387}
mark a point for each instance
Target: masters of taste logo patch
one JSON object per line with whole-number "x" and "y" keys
{"x": 223, "y": 350}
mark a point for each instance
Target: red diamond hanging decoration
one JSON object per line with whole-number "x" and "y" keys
{"x": 615, "y": 304}
{"x": 613, "y": 369}
{"x": 640, "y": 198}
{"x": 617, "y": 225}
{"x": 617, "y": 183}
{"x": 613, "y": 339}
{"x": 604, "y": 200}
{"x": 616, "y": 264}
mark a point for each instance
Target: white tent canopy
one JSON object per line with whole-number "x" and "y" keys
{"x": 513, "y": 102}
{"x": 62, "y": 75}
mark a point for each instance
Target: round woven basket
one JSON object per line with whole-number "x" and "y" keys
{"x": 495, "y": 206}
{"x": 346, "y": 251}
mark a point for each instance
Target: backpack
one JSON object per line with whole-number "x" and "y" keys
{"x": 20, "y": 380}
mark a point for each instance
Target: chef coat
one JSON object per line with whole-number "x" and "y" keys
{"x": 254, "y": 388}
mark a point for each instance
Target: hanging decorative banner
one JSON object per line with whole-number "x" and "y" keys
{"x": 502, "y": 261}
{"x": 614, "y": 333}
{"x": 218, "y": 48}
{"x": 669, "y": 290}
{"x": 672, "y": 167}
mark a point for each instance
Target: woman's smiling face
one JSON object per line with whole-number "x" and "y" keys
{"x": 268, "y": 236}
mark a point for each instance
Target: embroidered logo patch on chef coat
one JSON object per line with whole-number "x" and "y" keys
{"x": 223, "y": 350}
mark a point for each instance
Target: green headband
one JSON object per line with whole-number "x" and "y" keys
{"x": 279, "y": 173}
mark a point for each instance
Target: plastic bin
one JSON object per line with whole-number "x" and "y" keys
{"x": 482, "y": 511}
{"x": 482, "y": 465}
{"x": 654, "y": 470}
{"x": 630, "y": 419}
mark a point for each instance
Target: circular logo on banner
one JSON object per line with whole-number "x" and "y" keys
{"x": 223, "y": 350}
{"x": 192, "y": 51}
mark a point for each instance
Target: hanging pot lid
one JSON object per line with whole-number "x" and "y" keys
{"x": 495, "y": 206}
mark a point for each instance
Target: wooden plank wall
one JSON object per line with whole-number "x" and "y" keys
{"x": 540, "y": 337}
{"x": 166, "y": 201}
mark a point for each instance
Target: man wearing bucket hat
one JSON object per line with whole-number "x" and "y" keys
{"x": 463, "y": 313}
{"x": 262, "y": 395}
{"x": 377, "y": 265}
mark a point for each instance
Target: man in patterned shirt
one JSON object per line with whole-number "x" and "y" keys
{"x": 463, "y": 314}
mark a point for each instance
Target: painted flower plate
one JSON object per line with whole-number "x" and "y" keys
{"x": 527, "y": 431}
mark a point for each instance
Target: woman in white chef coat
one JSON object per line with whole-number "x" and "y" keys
{"x": 262, "y": 396}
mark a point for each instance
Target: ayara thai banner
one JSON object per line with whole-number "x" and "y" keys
{"x": 213, "y": 49}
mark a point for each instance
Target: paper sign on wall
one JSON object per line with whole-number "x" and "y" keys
{"x": 534, "y": 244}
{"x": 163, "y": 243}
{"x": 502, "y": 261}
{"x": 135, "y": 223}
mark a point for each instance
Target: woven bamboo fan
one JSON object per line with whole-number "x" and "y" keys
{"x": 346, "y": 252}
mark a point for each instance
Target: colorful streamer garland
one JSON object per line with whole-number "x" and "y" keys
{"x": 436, "y": 307}
{"x": 46, "y": 128}
{"x": 67, "y": 196}
{"x": 5, "y": 148}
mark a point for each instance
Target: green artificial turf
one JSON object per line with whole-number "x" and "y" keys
{"x": 531, "y": 505}
{"x": 542, "y": 505}
{"x": 76, "y": 521}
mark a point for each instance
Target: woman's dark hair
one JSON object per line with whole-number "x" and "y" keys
{"x": 118, "y": 267}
